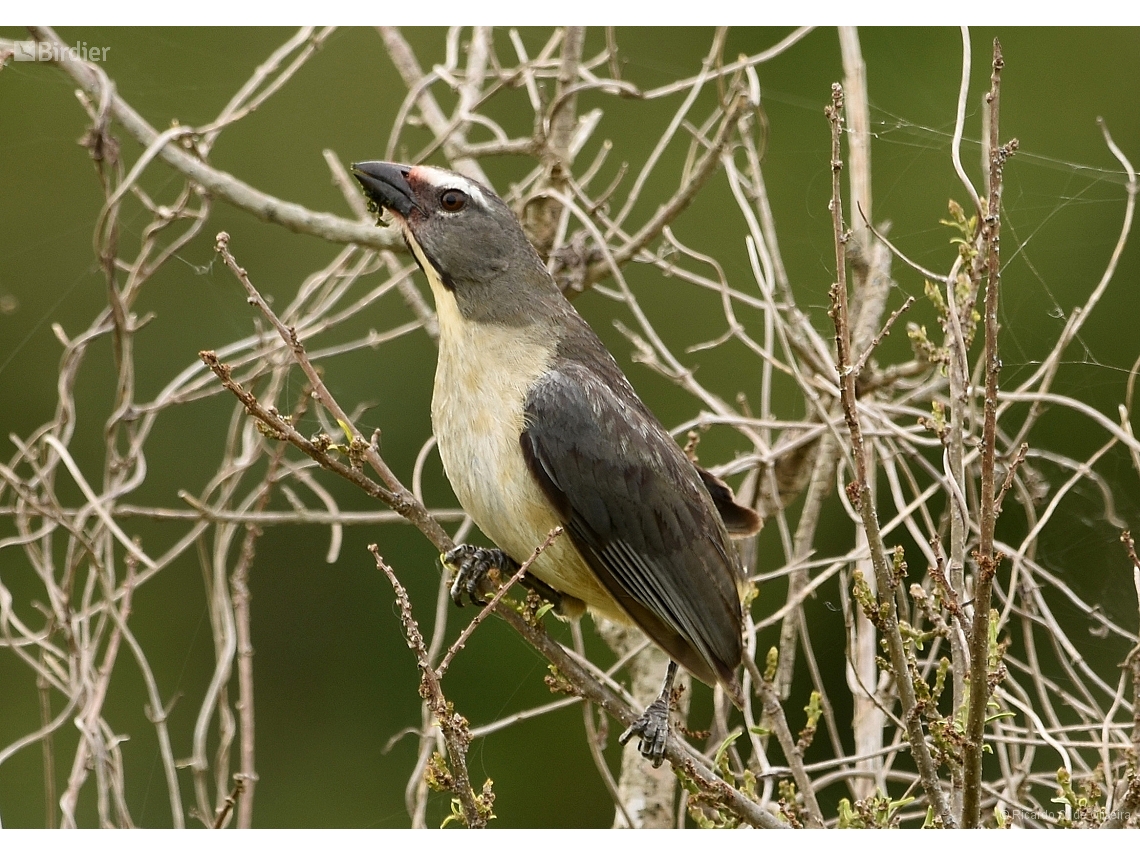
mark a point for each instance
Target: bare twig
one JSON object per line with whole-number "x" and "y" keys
{"x": 670, "y": 210}
{"x": 394, "y": 494}
{"x": 540, "y": 217}
{"x": 409, "y": 68}
{"x": 476, "y": 808}
{"x": 987, "y": 560}
{"x": 859, "y": 490}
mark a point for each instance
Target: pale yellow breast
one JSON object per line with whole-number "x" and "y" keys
{"x": 481, "y": 382}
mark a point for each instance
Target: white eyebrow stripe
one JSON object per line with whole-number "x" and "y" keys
{"x": 442, "y": 178}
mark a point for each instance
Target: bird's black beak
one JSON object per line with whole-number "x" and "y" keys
{"x": 386, "y": 184}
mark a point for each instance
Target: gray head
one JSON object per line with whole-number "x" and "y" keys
{"x": 468, "y": 235}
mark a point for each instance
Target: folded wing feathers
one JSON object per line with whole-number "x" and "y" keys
{"x": 637, "y": 510}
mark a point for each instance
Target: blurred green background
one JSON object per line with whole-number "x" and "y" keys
{"x": 334, "y": 679}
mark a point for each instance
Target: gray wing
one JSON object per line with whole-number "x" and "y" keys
{"x": 638, "y": 512}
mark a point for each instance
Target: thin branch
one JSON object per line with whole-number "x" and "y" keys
{"x": 541, "y": 215}
{"x": 987, "y": 560}
{"x": 673, "y": 208}
{"x": 731, "y": 68}
{"x": 394, "y": 494}
{"x": 960, "y": 122}
{"x": 774, "y": 714}
{"x": 476, "y": 809}
{"x": 888, "y": 624}
{"x": 221, "y": 184}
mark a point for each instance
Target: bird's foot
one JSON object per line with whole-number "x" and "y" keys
{"x": 652, "y": 728}
{"x": 474, "y": 566}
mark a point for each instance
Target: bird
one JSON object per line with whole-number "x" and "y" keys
{"x": 538, "y": 427}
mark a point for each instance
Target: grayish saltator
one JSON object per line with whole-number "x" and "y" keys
{"x": 538, "y": 427}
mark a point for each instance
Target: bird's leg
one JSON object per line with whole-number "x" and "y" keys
{"x": 472, "y": 565}
{"x": 652, "y": 729}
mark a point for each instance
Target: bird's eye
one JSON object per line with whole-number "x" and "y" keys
{"x": 452, "y": 200}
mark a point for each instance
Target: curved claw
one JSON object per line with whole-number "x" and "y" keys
{"x": 472, "y": 565}
{"x": 652, "y": 731}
